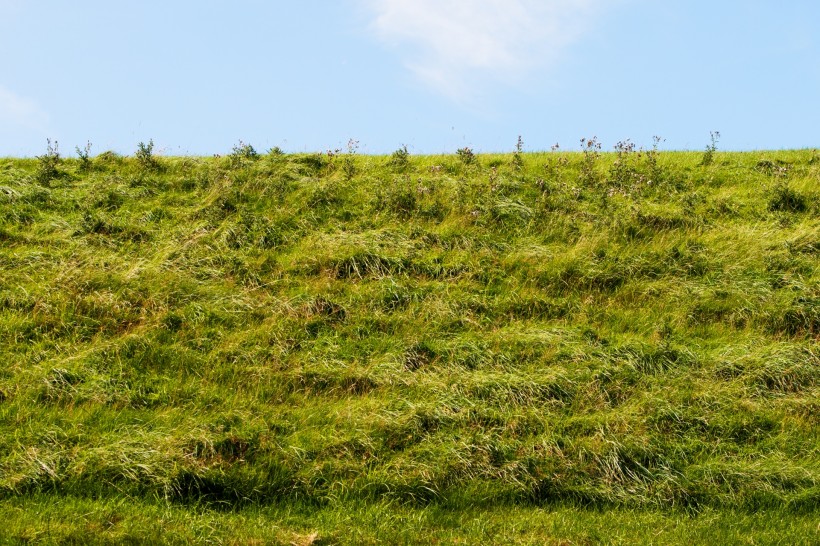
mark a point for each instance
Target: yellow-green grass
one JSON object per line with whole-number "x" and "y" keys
{"x": 539, "y": 348}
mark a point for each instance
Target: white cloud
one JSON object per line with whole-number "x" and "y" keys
{"x": 21, "y": 112}
{"x": 454, "y": 45}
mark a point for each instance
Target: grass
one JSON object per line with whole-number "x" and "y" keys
{"x": 567, "y": 348}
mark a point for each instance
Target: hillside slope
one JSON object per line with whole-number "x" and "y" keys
{"x": 305, "y": 348}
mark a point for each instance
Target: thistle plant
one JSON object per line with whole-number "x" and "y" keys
{"x": 591, "y": 148}
{"x": 711, "y": 148}
{"x": 242, "y": 153}
{"x": 145, "y": 155}
{"x": 349, "y": 164}
{"x": 518, "y": 158}
{"x": 466, "y": 155}
{"x": 47, "y": 164}
{"x": 652, "y": 156}
{"x": 400, "y": 159}
{"x": 84, "y": 155}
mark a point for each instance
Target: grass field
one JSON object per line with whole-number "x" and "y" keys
{"x": 545, "y": 348}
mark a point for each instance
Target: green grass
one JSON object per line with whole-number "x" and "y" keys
{"x": 558, "y": 348}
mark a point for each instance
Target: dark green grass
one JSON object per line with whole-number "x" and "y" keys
{"x": 564, "y": 348}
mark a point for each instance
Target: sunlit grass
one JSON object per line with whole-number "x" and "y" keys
{"x": 556, "y": 348}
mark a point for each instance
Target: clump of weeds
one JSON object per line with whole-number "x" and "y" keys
{"x": 400, "y": 159}
{"x": 591, "y": 148}
{"x": 84, "y": 155}
{"x": 709, "y": 153}
{"x": 466, "y": 155}
{"x": 145, "y": 156}
{"x": 47, "y": 164}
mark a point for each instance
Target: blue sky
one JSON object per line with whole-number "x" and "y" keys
{"x": 435, "y": 75}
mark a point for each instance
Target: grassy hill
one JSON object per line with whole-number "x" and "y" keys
{"x": 559, "y": 348}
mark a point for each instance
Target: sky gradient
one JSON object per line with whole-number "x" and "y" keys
{"x": 435, "y": 75}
